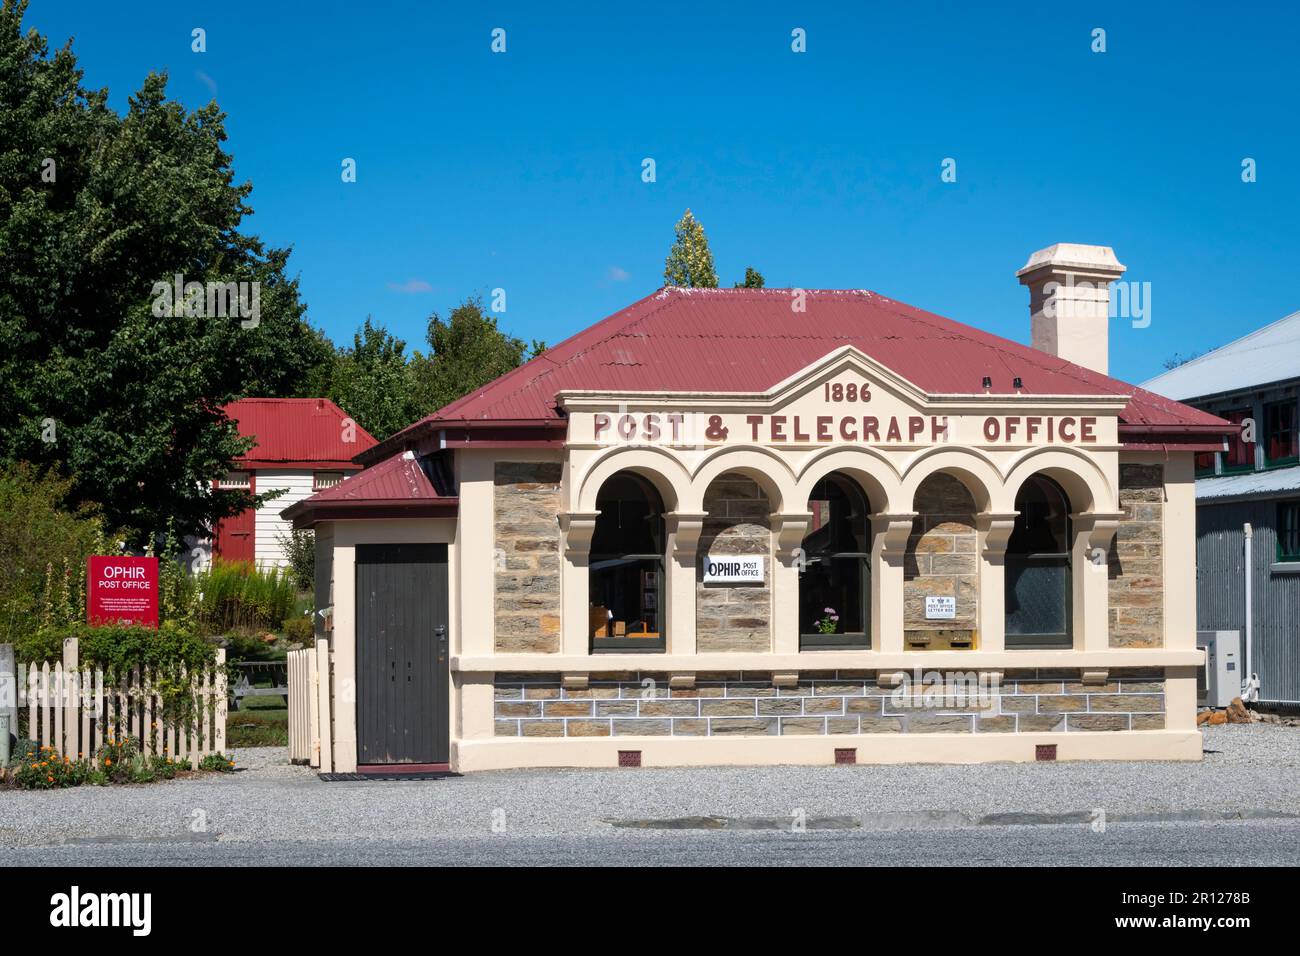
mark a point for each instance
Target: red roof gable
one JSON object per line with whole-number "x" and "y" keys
{"x": 297, "y": 432}
{"x": 397, "y": 487}
{"x": 747, "y": 340}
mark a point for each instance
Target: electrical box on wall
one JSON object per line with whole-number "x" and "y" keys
{"x": 1219, "y": 679}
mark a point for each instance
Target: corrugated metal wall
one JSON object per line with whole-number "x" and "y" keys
{"x": 1221, "y": 590}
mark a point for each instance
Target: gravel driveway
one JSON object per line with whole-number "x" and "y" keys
{"x": 1253, "y": 770}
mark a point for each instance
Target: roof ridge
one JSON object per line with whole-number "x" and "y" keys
{"x": 1236, "y": 342}
{"x": 549, "y": 356}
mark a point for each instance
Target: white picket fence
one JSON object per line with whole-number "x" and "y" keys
{"x": 310, "y": 728}
{"x": 76, "y": 710}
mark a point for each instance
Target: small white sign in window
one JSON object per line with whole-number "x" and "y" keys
{"x": 734, "y": 569}
{"x": 940, "y": 608}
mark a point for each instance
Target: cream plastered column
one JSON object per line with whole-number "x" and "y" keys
{"x": 1178, "y": 519}
{"x": 993, "y": 530}
{"x": 475, "y": 716}
{"x": 1093, "y": 533}
{"x": 476, "y": 560}
{"x": 889, "y": 534}
{"x": 788, "y": 532}
{"x": 683, "y": 530}
{"x": 576, "y": 529}
{"x": 345, "y": 658}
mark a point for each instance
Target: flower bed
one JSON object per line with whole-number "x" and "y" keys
{"x": 35, "y": 767}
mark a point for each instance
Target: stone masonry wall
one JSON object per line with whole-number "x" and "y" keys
{"x": 731, "y": 617}
{"x": 941, "y": 558}
{"x": 824, "y": 703}
{"x": 526, "y": 500}
{"x": 1137, "y": 560}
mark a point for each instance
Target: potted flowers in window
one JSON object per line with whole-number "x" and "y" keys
{"x": 829, "y": 622}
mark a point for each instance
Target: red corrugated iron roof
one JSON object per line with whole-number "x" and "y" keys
{"x": 397, "y": 487}
{"x": 747, "y": 340}
{"x": 304, "y": 432}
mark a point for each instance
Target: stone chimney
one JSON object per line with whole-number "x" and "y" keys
{"x": 1069, "y": 301}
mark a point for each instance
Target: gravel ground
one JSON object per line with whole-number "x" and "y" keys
{"x": 1251, "y": 769}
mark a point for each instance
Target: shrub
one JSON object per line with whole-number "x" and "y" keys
{"x": 238, "y": 594}
{"x": 300, "y": 629}
{"x": 217, "y": 762}
{"x": 43, "y": 550}
{"x": 119, "y": 760}
{"x": 121, "y": 649}
{"x": 300, "y": 548}
{"x": 165, "y": 768}
{"x": 44, "y": 769}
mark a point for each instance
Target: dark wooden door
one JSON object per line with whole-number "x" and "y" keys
{"x": 402, "y": 654}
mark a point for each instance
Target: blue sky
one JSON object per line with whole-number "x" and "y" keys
{"x": 522, "y": 170}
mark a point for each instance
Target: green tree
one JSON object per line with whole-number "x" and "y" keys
{"x": 100, "y": 379}
{"x": 690, "y": 263}
{"x": 466, "y": 352}
{"x": 43, "y": 546}
{"x": 753, "y": 279}
{"x": 373, "y": 381}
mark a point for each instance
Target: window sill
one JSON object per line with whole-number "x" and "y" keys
{"x": 1284, "y": 567}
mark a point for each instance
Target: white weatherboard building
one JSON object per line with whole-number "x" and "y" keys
{"x": 303, "y": 446}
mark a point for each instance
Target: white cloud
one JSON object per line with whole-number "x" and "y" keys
{"x": 616, "y": 274}
{"x": 411, "y": 286}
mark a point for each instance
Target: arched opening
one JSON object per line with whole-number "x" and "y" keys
{"x": 1038, "y": 573}
{"x": 626, "y": 565}
{"x": 835, "y": 567}
{"x": 941, "y": 598}
{"x": 733, "y": 583}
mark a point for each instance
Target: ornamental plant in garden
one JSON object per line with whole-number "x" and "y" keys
{"x": 120, "y": 760}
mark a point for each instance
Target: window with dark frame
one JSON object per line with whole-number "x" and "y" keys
{"x": 625, "y": 568}
{"x": 1037, "y": 567}
{"x": 1280, "y": 437}
{"x": 1288, "y": 531}
{"x": 1240, "y": 455}
{"x": 835, "y": 575}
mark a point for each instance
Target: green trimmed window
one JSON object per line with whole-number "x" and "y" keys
{"x": 1288, "y": 531}
{"x": 1281, "y": 446}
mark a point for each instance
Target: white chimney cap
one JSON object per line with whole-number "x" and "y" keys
{"x": 1076, "y": 258}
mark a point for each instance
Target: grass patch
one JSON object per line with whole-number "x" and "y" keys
{"x": 263, "y": 722}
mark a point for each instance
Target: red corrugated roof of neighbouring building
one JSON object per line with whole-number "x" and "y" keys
{"x": 396, "y": 487}
{"x": 748, "y": 340}
{"x": 301, "y": 432}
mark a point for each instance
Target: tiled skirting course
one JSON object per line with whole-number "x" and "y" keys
{"x": 825, "y": 703}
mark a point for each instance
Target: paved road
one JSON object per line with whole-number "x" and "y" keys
{"x": 1256, "y": 843}
{"x": 270, "y": 811}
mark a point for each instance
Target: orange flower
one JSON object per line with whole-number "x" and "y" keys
{"x": 107, "y": 762}
{"x": 50, "y": 779}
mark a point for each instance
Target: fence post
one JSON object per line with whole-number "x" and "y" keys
{"x": 9, "y": 687}
{"x": 219, "y": 691}
{"x": 324, "y": 686}
{"x": 69, "y": 745}
{"x": 313, "y": 709}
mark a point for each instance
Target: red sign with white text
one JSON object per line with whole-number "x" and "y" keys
{"x": 121, "y": 590}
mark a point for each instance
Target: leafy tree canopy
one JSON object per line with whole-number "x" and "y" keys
{"x": 98, "y": 211}
{"x": 690, "y": 263}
